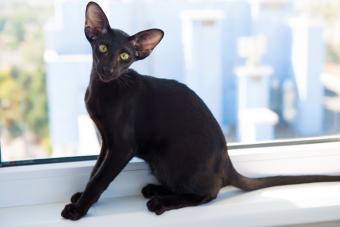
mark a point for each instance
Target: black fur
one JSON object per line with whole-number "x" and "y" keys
{"x": 161, "y": 121}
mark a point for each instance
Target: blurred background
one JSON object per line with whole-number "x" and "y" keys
{"x": 268, "y": 69}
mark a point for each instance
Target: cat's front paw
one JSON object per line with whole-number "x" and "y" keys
{"x": 73, "y": 212}
{"x": 148, "y": 191}
{"x": 155, "y": 205}
{"x": 76, "y": 197}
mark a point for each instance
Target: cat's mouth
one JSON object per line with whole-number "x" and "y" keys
{"x": 105, "y": 78}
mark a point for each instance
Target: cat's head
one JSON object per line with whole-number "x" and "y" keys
{"x": 114, "y": 50}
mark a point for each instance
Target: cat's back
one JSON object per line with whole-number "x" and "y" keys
{"x": 173, "y": 126}
{"x": 166, "y": 85}
{"x": 169, "y": 92}
{"x": 171, "y": 104}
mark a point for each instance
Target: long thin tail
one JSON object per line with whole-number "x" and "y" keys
{"x": 248, "y": 184}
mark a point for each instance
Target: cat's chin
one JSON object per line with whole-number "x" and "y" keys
{"x": 106, "y": 80}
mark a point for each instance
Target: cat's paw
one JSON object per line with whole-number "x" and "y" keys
{"x": 72, "y": 212}
{"x": 155, "y": 205}
{"x": 148, "y": 191}
{"x": 75, "y": 197}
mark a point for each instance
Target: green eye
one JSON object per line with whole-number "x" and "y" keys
{"x": 124, "y": 56}
{"x": 102, "y": 48}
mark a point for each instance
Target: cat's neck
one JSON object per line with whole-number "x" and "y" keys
{"x": 120, "y": 86}
{"x": 128, "y": 75}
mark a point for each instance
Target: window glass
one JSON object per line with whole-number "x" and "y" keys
{"x": 267, "y": 69}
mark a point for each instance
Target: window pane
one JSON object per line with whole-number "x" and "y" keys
{"x": 268, "y": 70}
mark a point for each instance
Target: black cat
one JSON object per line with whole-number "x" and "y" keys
{"x": 161, "y": 121}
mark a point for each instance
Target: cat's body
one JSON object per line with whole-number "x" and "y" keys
{"x": 161, "y": 121}
{"x": 165, "y": 125}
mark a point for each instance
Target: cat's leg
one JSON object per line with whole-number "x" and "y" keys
{"x": 102, "y": 153}
{"x": 76, "y": 196}
{"x": 160, "y": 204}
{"x": 99, "y": 161}
{"x": 112, "y": 164}
{"x": 198, "y": 190}
{"x": 151, "y": 190}
{"x": 103, "y": 150}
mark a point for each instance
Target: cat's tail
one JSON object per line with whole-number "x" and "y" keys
{"x": 249, "y": 184}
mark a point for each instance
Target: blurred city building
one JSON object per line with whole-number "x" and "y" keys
{"x": 262, "y": 92}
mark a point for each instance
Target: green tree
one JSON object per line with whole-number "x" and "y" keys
{"x": 23, "y": 105}
{"x": 10, "y": 104}
{"x": 35, "y": 104}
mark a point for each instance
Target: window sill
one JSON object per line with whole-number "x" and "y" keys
{"x": 309, "y": 203}
{"x": 51, "y": 185}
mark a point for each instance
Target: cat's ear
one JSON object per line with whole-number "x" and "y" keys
{"x": 145, "y": 41}
{"x": 96, "y": 22}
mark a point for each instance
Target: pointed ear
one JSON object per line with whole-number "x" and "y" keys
{"x": 96, "y": 22}
{"x": 145, "y": 41}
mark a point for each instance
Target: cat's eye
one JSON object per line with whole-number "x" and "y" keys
{"x": 124, "y": 56}
{"x": 102, "y": 48}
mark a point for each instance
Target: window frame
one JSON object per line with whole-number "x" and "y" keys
{"x": 42, "y": 182}
{"x": 232, "y": 146}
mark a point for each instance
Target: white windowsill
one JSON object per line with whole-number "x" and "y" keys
{"x": 267, "y": 207}
{"x": 24, "y": 188}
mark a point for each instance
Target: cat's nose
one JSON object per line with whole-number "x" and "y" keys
{"x": 108, "y": 70}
